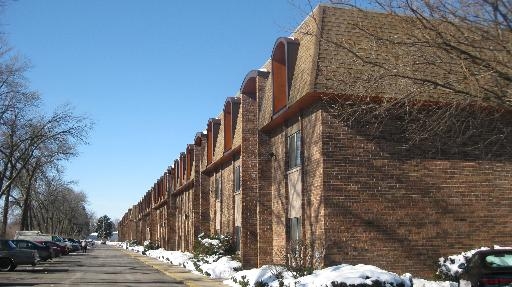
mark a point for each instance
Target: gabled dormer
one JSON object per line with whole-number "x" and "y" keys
{"x": 176, "y": 174}
{"x": 230, "y": 112}
{"x": 213, "y": 133}
{"x": 189, "y": 160}
{"x": 183, "y": 168}
{"x": 171, "y": 179}
{"x": 250, "y": 84}
{"x": 283, "y": 60}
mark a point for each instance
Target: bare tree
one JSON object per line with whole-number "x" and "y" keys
{"x": 442, "y": 69}
{"x": 59, "y": 209}
{"x": 29, "y": 138}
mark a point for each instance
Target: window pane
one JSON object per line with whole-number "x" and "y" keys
{"x": 295, "y": 229}
{"x": 237, "y": 178}
{"x": 297, "y": 149}
{"x": 293, "y": 232}
{"x": 218, "y": 187}
{"x": 291, "y": 147}
{"x": 294, "y": 143}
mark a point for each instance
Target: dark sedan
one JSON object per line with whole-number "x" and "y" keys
{"x": 11, "y": 257}
{"x": 487, "y": 268}
{"x": 44, "y": 252}
{"x": 63, "y": 250}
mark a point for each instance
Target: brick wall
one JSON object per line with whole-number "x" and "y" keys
{"x": 313, "y": 175}
{"x": 279, "y": 194}
{"x": 249, "y": 180}
{"x": 265, "y": 158}
{"x": 400, "y": 210}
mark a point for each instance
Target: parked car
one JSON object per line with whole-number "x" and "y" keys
{"x": 75, "y": 245}
{"x": 61, "y": 249}
{"x": 11, "y": 257}
{"x": 491, "y": 267}
{"x": 44, "y": 252}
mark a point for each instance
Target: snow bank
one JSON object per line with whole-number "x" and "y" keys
{"x": 349, "y": 274}
{"x": 173, "y": 257}
{"x": 354, "y": 275}
{"x": 424, "y": 283}
{"x": 223, "y": 268}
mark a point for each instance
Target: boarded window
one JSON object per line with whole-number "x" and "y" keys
{"x": 238, "y": 210}
{"x": 295, "y": 193}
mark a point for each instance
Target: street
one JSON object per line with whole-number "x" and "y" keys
{"x": 102, "y": 265}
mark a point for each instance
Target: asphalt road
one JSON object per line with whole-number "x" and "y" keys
{"x": 102, "y": 265}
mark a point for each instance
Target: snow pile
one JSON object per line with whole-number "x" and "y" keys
{"x": 354, "y": 275}
{"x": 349, "y": 274}
{"x": 424, "y": 283}
{"x": 117, "y": 244}
{"x": 222, "y": 268}
{"x": 210, "y": 242}
{"x": 173, "y": 257}
{"x": 136, "y": 248}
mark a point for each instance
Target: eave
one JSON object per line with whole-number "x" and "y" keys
{"x": 226, "y": 157}
{"x": 188, "y": 185}
{"x": 292, "y": 110}
{"x": 160, "y": 203}
{"x": 311, "y": 98}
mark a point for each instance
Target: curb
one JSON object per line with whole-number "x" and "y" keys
{"x": 176, "y": 272}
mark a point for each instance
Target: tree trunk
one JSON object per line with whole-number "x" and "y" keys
{"x": 5, "y": 214}
{"x": 27, "y": 203}
{"x": 25, "y": 212}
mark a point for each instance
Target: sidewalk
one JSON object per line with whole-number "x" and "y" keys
{"x": 177, "y": 272}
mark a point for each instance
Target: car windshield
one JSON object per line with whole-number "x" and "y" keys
{"x": 499, "y": 260}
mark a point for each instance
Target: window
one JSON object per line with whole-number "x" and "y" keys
{"x": 294, "y": 143}
{"x": 295, "y": 234}
{"x": 237, "y": 235}
{"x": 237, "y": 178}
{"x": 218, "y": 188}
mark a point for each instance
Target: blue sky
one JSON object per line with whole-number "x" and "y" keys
{"x": 148, "y": 73}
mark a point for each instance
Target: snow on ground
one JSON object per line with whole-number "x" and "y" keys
{"x": 350, "y": 274}
{"x": 224, "y": 268}
{"x": 425, "y": 283}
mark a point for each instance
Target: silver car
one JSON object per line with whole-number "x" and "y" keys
{"x": 11, "y": 257}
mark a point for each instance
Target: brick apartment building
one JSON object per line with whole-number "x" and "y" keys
{"x": 278, "y": 166}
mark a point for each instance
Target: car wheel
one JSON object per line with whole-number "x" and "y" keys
{"x": 6, "y": 264}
